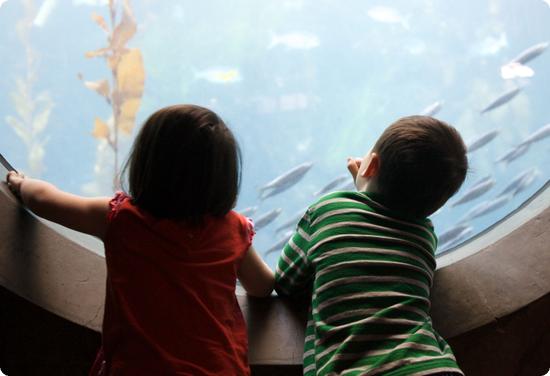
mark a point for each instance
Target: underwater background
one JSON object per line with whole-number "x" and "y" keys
{"x": 298, "y": 81}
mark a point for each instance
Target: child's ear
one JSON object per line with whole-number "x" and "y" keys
{"x": 373, "y": 166}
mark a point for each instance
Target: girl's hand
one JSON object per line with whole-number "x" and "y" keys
{"x": 353, "y": 166}
{"x": 14, "y": 180}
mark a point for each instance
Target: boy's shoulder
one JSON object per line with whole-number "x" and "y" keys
{"x": 342, "y": 197}
{"x": 364, "y": 201}
{"x": 335, "y": 200}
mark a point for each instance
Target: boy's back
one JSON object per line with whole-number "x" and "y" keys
{"x": 368, "y": 268}
{"x": 371, "y": 274}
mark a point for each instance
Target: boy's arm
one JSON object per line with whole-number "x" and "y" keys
{"x": 254, "y": 274}
{"x": 88, "y": 215}
{"x": 294, "y": 272}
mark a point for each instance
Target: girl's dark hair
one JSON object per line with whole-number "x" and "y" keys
{"x": 185, "y": 164}
{"x": 422, "y": 163}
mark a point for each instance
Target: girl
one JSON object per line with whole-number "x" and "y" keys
{"x": 173, "y": 248}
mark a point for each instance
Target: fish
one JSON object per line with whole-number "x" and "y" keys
{"x": 518, "y": 181}
{"x": 516, "y": 70}
{"x": 295, "y": 40}
{"x": 432, "y": 109}
{"x": 464, "y": 234}
{"x": 388, "y": 15}
{"x": 333, "y": 184}
{"x": 219, "y": 75}
{"x": 44, "y": 12}
{"x": 530, "y": 53}
{"x": 514, "y": 153}
{"x": 538, "y": 135}
{"x": 478, "y": 189}
{"x": 526, "y": 182}
{"x": 450, "y": 234}
{"x": 292, "y": 221}
{"x": 285, "y": 181}
{"x": 273, "y": 192}
{"x": 266, "y": 218}
{"x": 486, "y": 207}
{"x": 501, "y": 99}
{"x": 247, "y": 212}
{"x": 278, "y": 246}
{"x": 482, "y": 140}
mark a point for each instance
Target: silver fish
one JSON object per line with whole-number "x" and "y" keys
{"x": 531, "y": 53}
{"x": 486, "y": 207}
{"x": 292, "y": 221}
{"x": 514, "y": 153}
{"x": 527, "y": 181}
{"x": 278, "y": 246}
{"x": 267, "y": 218}
{"x": 482, "y": 140}
{"x": 538, "y": 135}
{"x": 432, "y": 109}
{"x": 477, "y": 190}
{"x": 285, "y": 181}
{"x": 333, "y": 184}
{"x": 512, "y": 187}
{"x": 452, "y": 233}
{"x": 273, "y": 192}
{"x": 502, "y": 99}
{"x": 464, "y": 234}
{"x": 247, "y": 212}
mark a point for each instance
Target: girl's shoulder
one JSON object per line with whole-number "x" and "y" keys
{"x": 243, "y": 224}
{"x": 116, "y": 203}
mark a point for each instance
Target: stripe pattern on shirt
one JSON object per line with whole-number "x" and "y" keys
{"x": 370, "y": 273}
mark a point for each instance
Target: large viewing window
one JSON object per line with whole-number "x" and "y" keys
{"x": 299, "y": 81}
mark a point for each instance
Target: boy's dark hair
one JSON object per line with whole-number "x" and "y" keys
{"x": 422, "y": 163}
{"x": 185, "y": 164}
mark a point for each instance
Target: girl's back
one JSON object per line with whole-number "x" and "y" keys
{"x": 174, "y": 250}
{"x": 170, "y": 304}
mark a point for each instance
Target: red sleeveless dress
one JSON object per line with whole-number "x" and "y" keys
{"x": 170, "y": 305}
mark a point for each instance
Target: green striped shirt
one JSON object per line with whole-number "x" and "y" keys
{"x": 370, "y": 274}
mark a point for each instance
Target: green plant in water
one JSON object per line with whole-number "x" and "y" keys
{"x": 124, "y": 90}
{"x": 33, "y": 110}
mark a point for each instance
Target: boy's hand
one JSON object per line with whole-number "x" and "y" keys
{"x": 14, "y": 180}
{"x": 353, "y": 166}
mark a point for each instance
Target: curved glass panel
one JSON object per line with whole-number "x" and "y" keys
{"x": 302, "y": 83}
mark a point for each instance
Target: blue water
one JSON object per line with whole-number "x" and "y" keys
{"x": 345, "y": 71}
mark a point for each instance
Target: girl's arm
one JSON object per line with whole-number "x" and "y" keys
{"x": 255, "y": 276}
{"x": 88, "y": 215}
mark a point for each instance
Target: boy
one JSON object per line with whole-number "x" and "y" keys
{"x": 367, "y": 257}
